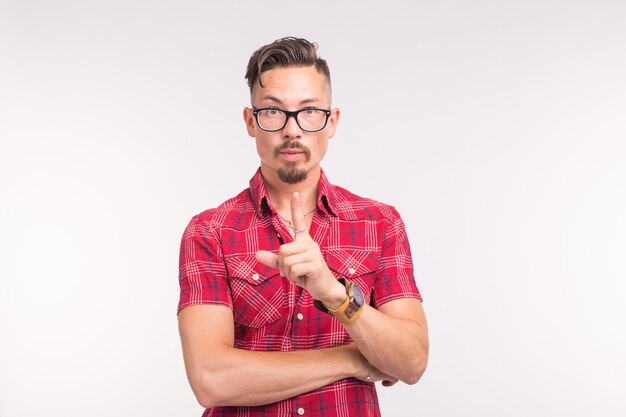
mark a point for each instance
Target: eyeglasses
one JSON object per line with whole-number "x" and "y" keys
{"x": 309, "y": 119}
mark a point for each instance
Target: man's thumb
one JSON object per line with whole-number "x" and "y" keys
{"x": 267, "y": 258}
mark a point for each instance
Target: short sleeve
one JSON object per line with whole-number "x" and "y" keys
{"x": 202, "y": 273}
{"x": 394, "y": 279}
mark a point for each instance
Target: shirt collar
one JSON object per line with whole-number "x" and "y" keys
{"x": 325, "y": 195}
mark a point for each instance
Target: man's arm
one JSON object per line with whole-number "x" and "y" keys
{"x": 222, "y": 375}
{"x": 393, "y": 338}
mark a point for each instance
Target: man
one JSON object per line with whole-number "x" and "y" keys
{"x": 296, "y": 295}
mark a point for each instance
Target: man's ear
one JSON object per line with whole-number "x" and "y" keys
{"x": 333, "y": 120}
{"x": 248, "y": 118}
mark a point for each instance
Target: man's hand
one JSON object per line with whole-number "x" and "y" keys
{"x": 301, "y": 262}
{"x": 368, "y": 372}
{"x": 375, "y": 376}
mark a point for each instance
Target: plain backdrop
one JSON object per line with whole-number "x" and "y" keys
{"x": 497, "y": 129}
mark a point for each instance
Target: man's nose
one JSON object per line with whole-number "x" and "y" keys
{"x": 291, "y": 129}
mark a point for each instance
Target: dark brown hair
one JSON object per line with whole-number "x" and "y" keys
{"x": 284, "y": 52}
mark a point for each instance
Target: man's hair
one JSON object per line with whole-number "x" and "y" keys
{"x": 284, "y": 52}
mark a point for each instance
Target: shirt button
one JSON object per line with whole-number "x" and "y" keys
{"x": 301, "y": 411}
{"x": 300, "y": 316}
{"x": 255, "y": 277}
{"x": 351, "y": 271}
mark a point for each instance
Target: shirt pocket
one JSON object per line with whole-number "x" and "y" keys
{"x": 257, "y": 292}
{"x": 358, "y": 266}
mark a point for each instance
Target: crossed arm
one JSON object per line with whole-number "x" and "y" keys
{"x": 220, "y": 374}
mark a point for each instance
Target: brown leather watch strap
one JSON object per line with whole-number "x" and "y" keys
{"x": 347, "y": 312}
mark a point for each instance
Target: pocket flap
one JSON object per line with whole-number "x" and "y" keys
{"x": 249, "y": 269}
{"x": 352, "y": 263}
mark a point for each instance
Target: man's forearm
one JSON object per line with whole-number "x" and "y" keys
{"x": 248, "y": 378}
{"x": 395, "y": 346}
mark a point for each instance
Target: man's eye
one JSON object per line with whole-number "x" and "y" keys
{"x": 272, "y": 112}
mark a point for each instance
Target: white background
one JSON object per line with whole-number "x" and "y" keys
{"x": 496, "y": 128}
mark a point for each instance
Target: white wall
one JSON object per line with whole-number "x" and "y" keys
{"x": 496, "y": 128}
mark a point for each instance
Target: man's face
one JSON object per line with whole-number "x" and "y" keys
{"x": 291, "y": 153}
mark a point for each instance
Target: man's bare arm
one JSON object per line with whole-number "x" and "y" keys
{"x": 394, "y": 338}
{"x": 222, "y": 375}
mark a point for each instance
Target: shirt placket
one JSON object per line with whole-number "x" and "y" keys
{"x": 301, "y": 406}
{"x": 280, "y": 229}
{"x": 299, "y": 315}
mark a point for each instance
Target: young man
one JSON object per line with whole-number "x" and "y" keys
{"x": 296, "y": 295}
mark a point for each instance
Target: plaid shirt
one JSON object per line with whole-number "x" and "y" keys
{"x": 360, "y": 239}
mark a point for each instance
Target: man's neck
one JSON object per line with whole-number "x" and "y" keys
{"x": 280, "y": 192}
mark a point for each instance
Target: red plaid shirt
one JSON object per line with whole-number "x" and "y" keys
{"x": 360, "y": 239}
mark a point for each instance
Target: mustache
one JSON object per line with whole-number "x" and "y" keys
{"x": 292, "y": 145}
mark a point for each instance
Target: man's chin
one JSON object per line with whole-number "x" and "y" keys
{"x": 292, "y": 175}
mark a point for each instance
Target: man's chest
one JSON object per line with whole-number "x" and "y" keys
{"x": 270, "y": 312}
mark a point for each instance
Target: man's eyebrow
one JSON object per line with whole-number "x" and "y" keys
{"x": 279, "y": 101}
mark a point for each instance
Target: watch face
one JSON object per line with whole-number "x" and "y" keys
{"x": 359, "y": 300}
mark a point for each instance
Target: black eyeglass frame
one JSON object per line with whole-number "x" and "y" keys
{"x": 289, "y": 114}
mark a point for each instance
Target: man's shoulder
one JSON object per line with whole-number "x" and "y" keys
{"x": 232, "y": 213}
{"x": 351, "y": 206}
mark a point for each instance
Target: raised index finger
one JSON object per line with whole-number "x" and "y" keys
{"x": 297, "y": 216}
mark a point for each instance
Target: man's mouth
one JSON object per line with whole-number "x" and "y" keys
{"x": 292, "y": 154}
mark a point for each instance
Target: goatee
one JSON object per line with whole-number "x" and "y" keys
{"x": 292, "y": 174}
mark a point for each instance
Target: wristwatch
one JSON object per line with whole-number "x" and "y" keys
{"x": 351, "y": 308}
